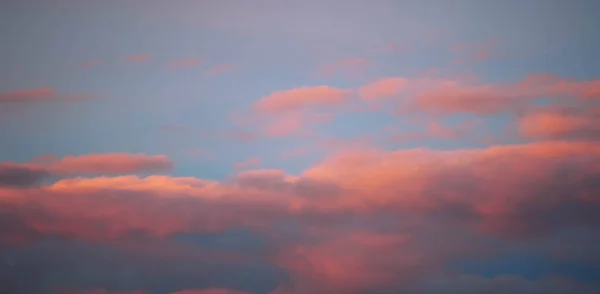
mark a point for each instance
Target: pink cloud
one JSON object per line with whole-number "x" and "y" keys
{"x": 90, "y": 164}
{"x": 21, "y": 175}
{"x": 100, "y": 291}
{"x": 295, "y": 152}
{"x": 234, "y": 135}
{"x": 562, "y": 122}
{"x": 295, "y": 123}
{"x": 350, "y": 66}
{"x": 138, "y": 58}
{"x": 110, "y": 163}
{"x": 383, "y": 88}
{"x": 416, "y": 197}
{"x": 474, "y": 52}
{"x": 33, "y": 95}
{"x": 376, "y": 260}
{"x": 301, "y": 98}
{"x": 195, "y": 153}
{"x": 454, "y": 96}
{"x": 219, "y": 69}
{"x": 39, "y": 95}
{"x": 184, "y": 63}
{"x": 249, "y": 163}
{"x": 90, "y": 63}
{"x": 210, "y": 291}
{"x": 436, "y": 130}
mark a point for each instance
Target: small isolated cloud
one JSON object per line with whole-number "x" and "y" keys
{"x": 219, "y": 69}
{"x": 302, "y": 98}
{"x": 242, "y": 136}
{"x": 138, "y": 58}
{"x": 90, "y": 63}
{"x": 39, "y": 95}
{"x": 251, "y": 162}
{"x": 98, "y": 291}
{"x": 199, "y": 153}
{"x": 184, "y": 63}
{"x": 33, "y": 95}
{"x": 350, "y": 66}
{"x": 474, "y": 52}
{"x": 295, "y": 123}
{"x": 296, "y": 152}
{"x": 290, "y": 112}
{"x": 210, "y": 291}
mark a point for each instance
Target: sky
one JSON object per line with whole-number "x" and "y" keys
{"x": 299, "y": 147}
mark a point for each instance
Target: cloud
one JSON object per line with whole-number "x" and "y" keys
{"x": 184, "y": 63}
{"x": 20, "y": 175}
{"x": 459, "y": 96}
{"x": 383, "y": 88}
{"x": 562, "y": 123}
{"x": 99, "y": 291}
{"x": 474, "y": 52}
{"x": 472, "y": 284}
{"x": 302, "y": 98}
{"x": 295, "y": 123}
{"x": 90, "y": 63}
{"x": 249, "y": 163}
{"x": 26, "y": 174}
{"x": 38, "y": 95}
{"x": 110, "y": 163}
{"x": 350, "y": 66}
{"x": 362, "y": 220}
{"x": 138, "y": 58}
{"x": 297, "y": 152}
{"x": 437, "y": 130}
{"x": 219, "y": 69}
{"x": 290, "y": 112}
{"x": 234, "y": 135}
{"x": 210, "y": 291}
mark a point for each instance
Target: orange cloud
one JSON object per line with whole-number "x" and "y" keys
{"x": 138, "y": 58}
{"x": 184, "y": 63}
{"x": 301, "y": 98}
